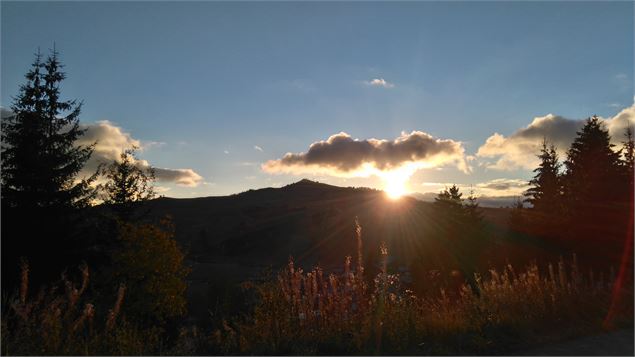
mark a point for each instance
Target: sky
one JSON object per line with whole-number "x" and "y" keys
{"x": 225, "y": 97}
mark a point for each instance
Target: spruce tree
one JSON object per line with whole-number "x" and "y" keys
{"x": 592, "y": 174}
{"x": 594, "y": 194}
{"x": 545, "y": 192}
{"x": 40, "y": 161}
{"x": 41, "y": 190}
{"x": 450, "y": 201}
{"x": 545, "y": 189}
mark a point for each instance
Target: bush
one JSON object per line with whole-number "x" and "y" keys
{"x": 150, "y": 263}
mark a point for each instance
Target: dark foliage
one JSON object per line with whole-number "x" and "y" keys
{"x": 41, "y": 190}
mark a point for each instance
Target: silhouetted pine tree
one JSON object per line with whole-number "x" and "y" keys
{"x": 40, "y": 163}
{"x": 450, "y": 202}
{"x": 545, "y": 192}
{"x": 594, "y": 192}
{"x": 592, "y": 167}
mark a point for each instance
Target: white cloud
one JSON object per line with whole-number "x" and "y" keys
{"x": 112, "y": 141}
{"x": 379, "y": 82}
{"x": 519, "y": 150}
{"x": 226, "y": 152}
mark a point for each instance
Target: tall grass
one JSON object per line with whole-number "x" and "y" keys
{"x": 61, "y": 320}
{"x": 317, "y": 313}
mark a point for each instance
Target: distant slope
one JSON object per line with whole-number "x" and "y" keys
{"x": 314, "y": 222}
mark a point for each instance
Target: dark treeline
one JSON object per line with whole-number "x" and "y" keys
{"x": 584, "y": 204}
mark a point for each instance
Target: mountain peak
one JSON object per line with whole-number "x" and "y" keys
{"x": 306, "y": 183}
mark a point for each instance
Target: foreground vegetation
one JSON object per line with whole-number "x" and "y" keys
{"x": 317, "y": 313}
{"x": 311, "y": 313}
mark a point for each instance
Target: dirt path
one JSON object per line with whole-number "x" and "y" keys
{"x": 616, "y": 343}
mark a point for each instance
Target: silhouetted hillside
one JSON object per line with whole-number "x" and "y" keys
{"x": 312, "y": 221}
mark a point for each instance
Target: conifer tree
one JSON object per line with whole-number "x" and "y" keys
{"x": 450, "y": 201}
{"x": 592, "y": 174}
{"x": 127, "y": 183}
{"x": 595, "y": 196}
{"x": 41, "y": 190}
{"x": 40, "y": 161}
{"x": 545, "y": 192}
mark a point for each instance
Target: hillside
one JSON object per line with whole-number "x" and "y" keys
{"x": 311, "y": 221}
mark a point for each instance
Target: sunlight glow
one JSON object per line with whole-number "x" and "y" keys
{"x": 396, "y": 182}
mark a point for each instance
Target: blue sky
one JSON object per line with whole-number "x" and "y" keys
{"x": 201, "y": 84}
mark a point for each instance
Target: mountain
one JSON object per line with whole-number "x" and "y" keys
{"x": 311, "y": 221}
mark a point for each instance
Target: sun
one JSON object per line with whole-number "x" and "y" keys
{"x": 395, "y": 184}
{"x": 395, "y": 190}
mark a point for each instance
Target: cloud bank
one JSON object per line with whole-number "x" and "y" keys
{"x": 112, "y": 140}
{"x": 341, "y": 155}
{"x": 519, "y": 150}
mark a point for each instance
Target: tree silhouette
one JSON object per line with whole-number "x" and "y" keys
{"x": 40, "y": 162}
{"x": 545, "y": 192}
{"x": 127, "y": 183}
{"x": 41, "y": 190}
{"x": 450, "y": 202}
{"x": 592, "y": 168}
{"x": 594, "y": 194}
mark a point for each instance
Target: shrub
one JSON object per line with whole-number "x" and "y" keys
{"x": 150, "y": 262}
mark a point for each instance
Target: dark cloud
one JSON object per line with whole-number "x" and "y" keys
{"x": 341, "y": 155}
